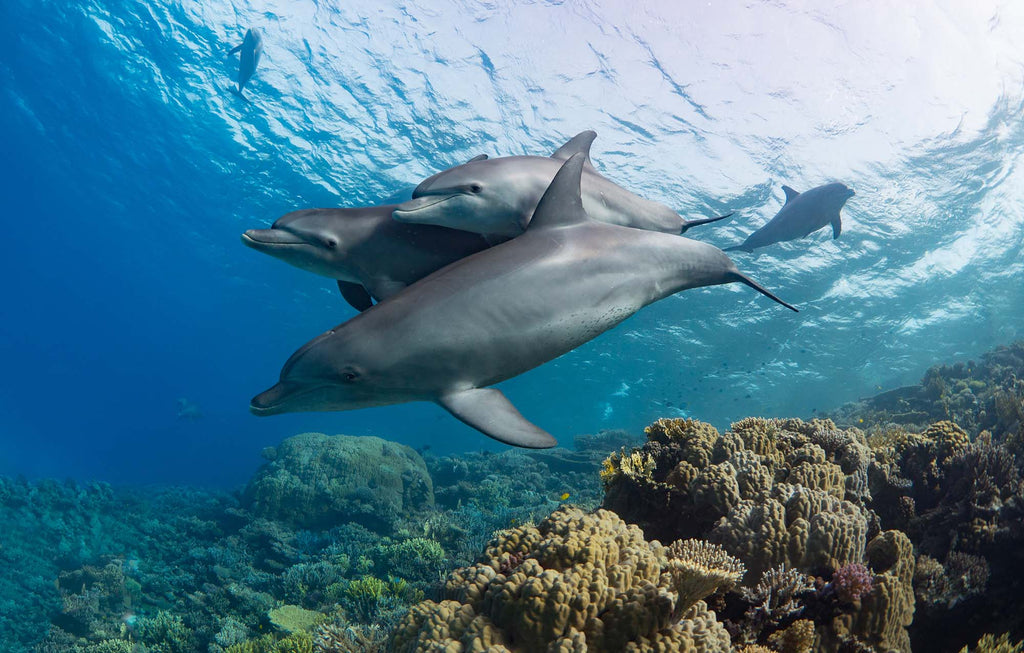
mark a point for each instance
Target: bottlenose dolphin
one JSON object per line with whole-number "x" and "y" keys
{"x": 496, "y": 197}
{"x": 364, "y": 249}
{"x": 496, "y": 314}
{"x": 802, "y": 214}
{"x": 251, "y": 49}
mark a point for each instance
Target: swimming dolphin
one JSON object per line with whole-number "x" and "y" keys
{"x": 496, "y": 197}
{"x": 802, "y": 214}
{"x": 369, "y": 254}
{"x": 496, "y": 314}
{"x": 251, "y": 49}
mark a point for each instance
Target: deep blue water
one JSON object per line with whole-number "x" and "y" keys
{"x": 129, "y": 172}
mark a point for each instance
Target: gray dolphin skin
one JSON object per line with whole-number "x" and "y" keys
{"x": 251, "y": 49}
{"x": 802, "y": 214}
{"x": 369, "y": 254}
{"x": 497, "y": 197}
{"x": 496, "y": 314}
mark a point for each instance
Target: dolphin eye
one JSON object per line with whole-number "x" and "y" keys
{"x": 476, "y": 188}
{"x": 350, "y": 375}
{"x": 331, "y": 243}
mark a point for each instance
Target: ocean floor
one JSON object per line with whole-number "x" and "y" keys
{"x": 896, "y": 524}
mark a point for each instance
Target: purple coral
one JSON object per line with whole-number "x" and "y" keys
{"x": 852, "y": 581}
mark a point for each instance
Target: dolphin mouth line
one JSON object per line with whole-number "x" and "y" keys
{"x": 281, "y": 239}
{"x": 273, "y": 409}
{"x": 423, "y": 202}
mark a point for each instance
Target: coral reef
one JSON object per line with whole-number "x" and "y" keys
{"x": 314, "y": 480}
{"x": 978, "y": 396}
{"x": 578, "y": 582}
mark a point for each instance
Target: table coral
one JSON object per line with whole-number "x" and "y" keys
{"x": 584, "y": 580}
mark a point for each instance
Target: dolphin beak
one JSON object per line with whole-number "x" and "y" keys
{"x": 272, "y": 401}
{"x": 405, "y": 212}
{"x": 262, "y": 239}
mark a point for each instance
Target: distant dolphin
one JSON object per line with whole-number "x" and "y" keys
{"x": 496, "y": 197}
{"x": 251, "y": 49}
{"x": 364, "y": 249}
{"x": 802, "y": 214}
{"x": 497, "y": 314}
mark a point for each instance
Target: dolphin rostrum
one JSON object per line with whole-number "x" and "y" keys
{"x": 496, "y": 197}
{"x": 496, "y": 314}
{"x": 369, "y": 254}
{"x": 251, "y": 49}
{"x": 802, "y": 214}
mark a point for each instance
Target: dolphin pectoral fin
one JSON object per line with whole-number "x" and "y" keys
{"x": 837, "y": 225}
{"x": 478, "y": 157}
{"x": 581, "y": 142}
{"x": 491, "y": 413}
{"x": 690, "y": 224}
{"x": 790, "y": 194}
{"x": 234, "y": 50}
{"x": 355, "y": 295}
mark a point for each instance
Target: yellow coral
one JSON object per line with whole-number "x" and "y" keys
{"x": 697, "y": 569}
{"x": 588, "y": 582}
{"x": 992, "y": 644}
{"x": 797, "y": 638}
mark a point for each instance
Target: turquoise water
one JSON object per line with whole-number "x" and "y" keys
{"x": 130, "y": 171}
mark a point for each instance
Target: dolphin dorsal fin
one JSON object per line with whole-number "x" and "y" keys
{"x": 790, "y": 194}
{"x": 478, "y": 157}
{"x": 581, "y": 142}
{"x": 562, "y": 204}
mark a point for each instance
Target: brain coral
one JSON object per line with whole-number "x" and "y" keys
{"x": 314, "y": 481}
{"x": 576, "y": 582}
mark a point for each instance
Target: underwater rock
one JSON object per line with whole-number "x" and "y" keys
{"x": 576, "y": 581}
{"x": 317, "y": 481}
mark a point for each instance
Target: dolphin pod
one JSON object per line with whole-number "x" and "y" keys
{"x": 497, "y": 197}
{"x": 802, "y": 214}
{"x": 251, "y": 49}
{"x": 370, "y": 255}
{"x": 498, "y": 313}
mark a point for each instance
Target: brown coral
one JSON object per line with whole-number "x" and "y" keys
{"x": 588, "y": 580}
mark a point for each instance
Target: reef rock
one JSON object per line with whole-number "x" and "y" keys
{"x": 317, "y": 481}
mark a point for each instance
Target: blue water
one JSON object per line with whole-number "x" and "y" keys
{"x": 129, "y": 172}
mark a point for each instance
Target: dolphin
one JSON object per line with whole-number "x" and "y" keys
{"x": 369, "y": 254}
{"x": 496, "y": 314}
{"x": 802, "y": 214}
{"x": 497, "y": 196}
{"x": 251, "y": 49}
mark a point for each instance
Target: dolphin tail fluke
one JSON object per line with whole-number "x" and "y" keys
{"x": 742, "y": 278}
{"x": 239, "y": 93}
{"x": 690, "y": 224}
{"x": 491, "y": 413}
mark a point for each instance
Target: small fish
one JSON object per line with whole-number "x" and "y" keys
{"x": 860, "y": 421}
{"x": 565, "y": 495}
